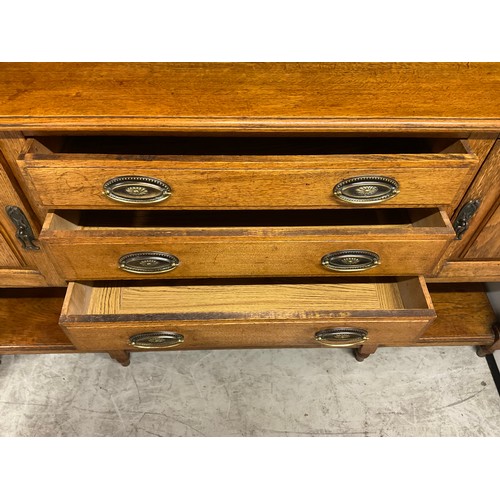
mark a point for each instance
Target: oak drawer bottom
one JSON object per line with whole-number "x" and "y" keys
{"x": 344, "y": 313}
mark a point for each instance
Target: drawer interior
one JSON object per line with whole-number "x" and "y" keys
{"x": 263, "y": 301}
{"x": 89, "y": 220}
{"x": 245, "y": 145}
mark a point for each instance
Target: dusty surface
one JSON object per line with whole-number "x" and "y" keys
{"x": 424, "y": 391}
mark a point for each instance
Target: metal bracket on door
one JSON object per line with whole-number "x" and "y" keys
{"x": 24, "y": 233}
{"x": 466, "y": 213}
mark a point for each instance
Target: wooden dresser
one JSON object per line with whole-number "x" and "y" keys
{"x": 205, "y": 206}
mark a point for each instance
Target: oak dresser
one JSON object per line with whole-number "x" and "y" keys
{"x": 248, "y": 205}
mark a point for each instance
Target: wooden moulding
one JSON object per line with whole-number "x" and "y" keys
{"x": 238, "y": 316}
{"x": 15, "y": 278}
{"x": 469, "y": 271}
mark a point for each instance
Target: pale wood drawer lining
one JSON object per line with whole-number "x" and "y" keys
{"x": 273, "y": 301}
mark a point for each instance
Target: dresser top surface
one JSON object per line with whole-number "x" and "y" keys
{"x": 251, "y": 96}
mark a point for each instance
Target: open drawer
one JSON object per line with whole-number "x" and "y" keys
{"x": 101, "y": 245}
{"x": 248, "y": 172}
{"x": 344, "y": 313}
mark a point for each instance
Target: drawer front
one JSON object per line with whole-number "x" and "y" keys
{"x": 123, "y": 253}
{"x": 120, "y": 336}
{"x": 198, "y": 317}
{"x": 309, "y": 181}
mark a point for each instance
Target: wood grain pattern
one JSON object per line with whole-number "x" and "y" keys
{"x": 258, "y": 96}
{"x": 7, "y": 257}
{"x": 486, "y": 188}
{"x": 206, "y": 335}
{"x": 484, "y": 350}
{"x": 28, "y": 262}
{"x": 76, "y": 180}
{"x": 16, "y": 278}
{"x": 29, "y": 321}
{"x": 469, "y": 270}
{"x": 481, "y": 144}
{"x": 241, "y": 316}
{"x": 13, "y": 144}
{"x": 414, "y": 296}
{"x": 458, "y": 103}
{"x": 243, "y": 251}
{"x": 464, "y": 315}
{"x": 250, "y": 301}
{"x": 487, "y": 242}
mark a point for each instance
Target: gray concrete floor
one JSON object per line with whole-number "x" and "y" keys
{"x": 425, "y": 391}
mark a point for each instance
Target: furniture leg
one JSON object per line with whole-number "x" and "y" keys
{"x": 123, "y": 357}
{"x": 361, "y": 353}
{"x": 484, "y": 350}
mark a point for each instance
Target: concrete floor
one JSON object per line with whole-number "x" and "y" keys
{"x": 424, "y": 391}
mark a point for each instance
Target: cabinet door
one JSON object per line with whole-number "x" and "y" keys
{"x": 20, "y": 266}
{"x": 8, "y": 259}
{"x": 487, "y": 243}
{"x": 476, "y": 255}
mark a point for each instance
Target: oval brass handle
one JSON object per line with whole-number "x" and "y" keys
{"x": 350, "y": 260}
{"x": 341, "y": 337}
{"x": 136, "y": 189}
{"x": 148, "y": 262}
{"x": 366, "y": 189}
{"x": 155, "y": 340}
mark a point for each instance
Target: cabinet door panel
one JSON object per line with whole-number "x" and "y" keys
{"x": 487, "y": 243}
{"x": 7, "y": 257}
{"x": 20, "y": 267}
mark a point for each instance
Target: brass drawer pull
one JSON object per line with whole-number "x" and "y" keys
{"x": 155, "y": 340}
{"x": 366, "y": 189}
{"x": 350, "y": 260}
{"x": 136, "y": 189}
{"x": 148, "y": 262}
{"x": 341, "y": 337}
